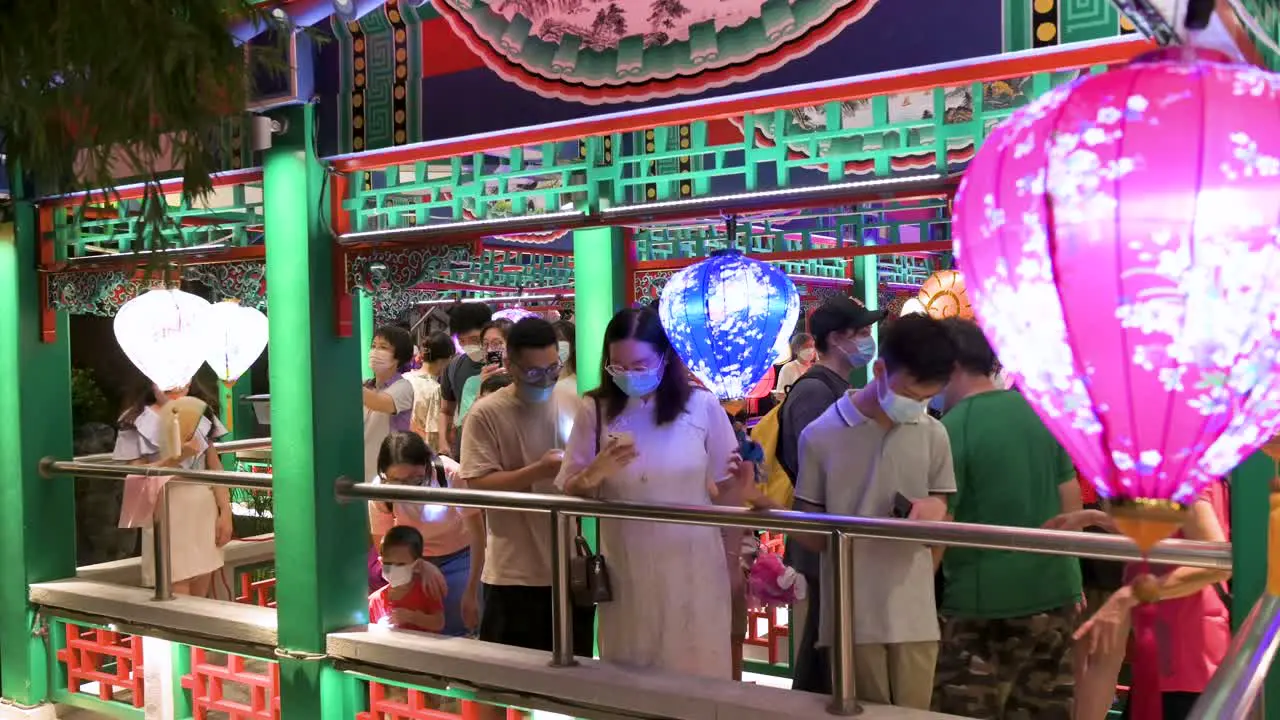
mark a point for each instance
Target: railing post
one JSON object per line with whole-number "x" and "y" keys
{"x": 160, "y": 554}
{"x": 844, "y": 691}
{"x": 561, "y": 597}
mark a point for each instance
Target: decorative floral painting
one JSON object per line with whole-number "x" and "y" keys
{"x": 602, "y": 51}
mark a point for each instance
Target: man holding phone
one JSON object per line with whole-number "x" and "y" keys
{"x": 513, "y": 442}
{"x": 874, "y": 445}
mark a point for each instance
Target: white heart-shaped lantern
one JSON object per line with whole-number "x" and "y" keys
{"x": 167, "y": 334}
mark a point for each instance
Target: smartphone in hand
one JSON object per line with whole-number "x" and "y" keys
{"x": 901, "y": 507}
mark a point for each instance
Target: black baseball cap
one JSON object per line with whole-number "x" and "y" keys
{"x": 839, "y": 314}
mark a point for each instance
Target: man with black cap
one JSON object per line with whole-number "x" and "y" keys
{"x": 841, "y": 329}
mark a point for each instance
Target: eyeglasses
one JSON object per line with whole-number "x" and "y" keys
{"x": 537, "y": 376}
{"x": 615, "y": 370}
{"x": 419, "y": 480}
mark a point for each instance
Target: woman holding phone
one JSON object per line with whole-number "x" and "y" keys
{"x": 646, "y": 435}
{"x": 493, "y": 340}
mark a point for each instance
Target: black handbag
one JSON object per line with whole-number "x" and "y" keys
{"x": 588, "y": 572}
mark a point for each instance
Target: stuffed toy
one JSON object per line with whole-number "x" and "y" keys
{"x": 769, "y": 581}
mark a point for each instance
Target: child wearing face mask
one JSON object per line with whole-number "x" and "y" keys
{"x": 404, "y": 602}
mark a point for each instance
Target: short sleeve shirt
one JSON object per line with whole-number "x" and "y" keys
{"x": 805, "y": 401}
{"x": 851, "y": 465}
{"x": 426, "y": 401}
{"x": 443, "y": 527}
{"x": 1008, "y": 470}
{"x": 456, "y": 374}
{"x": 381, "y": 605}
{"x": 378, "y": 425}
{"x": 504, "y": 433}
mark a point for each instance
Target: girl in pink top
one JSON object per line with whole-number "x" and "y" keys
{"x": 1181, "y": 641}
{"x": 451, "y": 536}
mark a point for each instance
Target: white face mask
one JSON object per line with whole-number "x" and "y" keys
{"x": 397, "y": 575}
{"x": 475, "y": 352}
{"x": 381, "y": 360}
{"x": 900, "y": 409}
{"x": 562, "y": 351}
{"x": 806, "y": 355}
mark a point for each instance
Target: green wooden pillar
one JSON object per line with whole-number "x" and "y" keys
{"x": 315, "y": 403}
{"x": 1250, "y": 509}
{"x": 37, "y": 516}
{"x": 364, "y": 304}
{"x": 599, "y": 283}
{"x": 237, "y": 416}
{"x": 866, "y": 285}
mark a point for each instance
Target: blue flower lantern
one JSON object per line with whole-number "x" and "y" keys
{"x": 725, "y": 315}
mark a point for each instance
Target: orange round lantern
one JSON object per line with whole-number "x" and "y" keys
{"x": 943, "y": 296}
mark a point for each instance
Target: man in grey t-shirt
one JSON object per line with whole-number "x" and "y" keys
{"x": 841, "y": 330}
{"x": 873, "y": 445}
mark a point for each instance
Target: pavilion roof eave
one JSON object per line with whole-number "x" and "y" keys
{"x": 981, "y": 69}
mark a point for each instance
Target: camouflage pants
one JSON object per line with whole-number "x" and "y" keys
{"x": 1006, "y": 669}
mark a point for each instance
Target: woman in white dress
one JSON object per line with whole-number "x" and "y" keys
{"x": 659, "y": 440}
{"x": 199, "y": 515}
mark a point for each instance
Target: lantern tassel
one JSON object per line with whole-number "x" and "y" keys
{"x": 228, "y": 419}
{"x": 1145, "y": 702}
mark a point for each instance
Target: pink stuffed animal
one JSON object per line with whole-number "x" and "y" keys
{"x": 770, "y": 582}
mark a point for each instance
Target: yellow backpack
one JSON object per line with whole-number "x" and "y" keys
{"x": 776, "y": 484}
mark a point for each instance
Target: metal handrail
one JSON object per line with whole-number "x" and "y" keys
{"x": 1233, "y": 690}
{"x": 1189, "y": 553}
{"x": 840, "y": 530}
{"x": 229, "y": 446}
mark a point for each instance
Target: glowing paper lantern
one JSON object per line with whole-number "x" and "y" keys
{"x": 234, "y": 338}
{"x": 725, "y": 316}
{"x": 1119, "y": 236}
{"x": 913, "y": 306}
{"x": 160, "y": 332}
{"x": 515, "y": 314}
{"x": 943, "y": 295}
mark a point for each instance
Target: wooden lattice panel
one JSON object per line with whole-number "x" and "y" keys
{"x": 109, "y": 659}
{"x": 208, "y": 682}
{"x": 395, "y": 703}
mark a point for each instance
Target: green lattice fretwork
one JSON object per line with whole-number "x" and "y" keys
{"x": 801, "y": 231}
{"x": 526, "y": 181}
{"x": 505, "y": 268}
{"x": 933, "y": 130}
{"x": 230, "y": 216}
{"x": 910, "y": 270}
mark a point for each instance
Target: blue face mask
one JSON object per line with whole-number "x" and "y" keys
{"x": 534, "y": 394}
{"x": 638, "y": 383}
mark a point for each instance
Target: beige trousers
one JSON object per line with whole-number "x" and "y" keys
{"x": 899, "y": 674}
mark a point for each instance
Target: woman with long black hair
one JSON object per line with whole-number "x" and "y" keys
{"x": 451, "y": 536}
{"x": 199, "y": 515}
{"x": 647, "y": 435}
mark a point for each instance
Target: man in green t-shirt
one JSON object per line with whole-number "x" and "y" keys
{"x": 1007, "y": 616}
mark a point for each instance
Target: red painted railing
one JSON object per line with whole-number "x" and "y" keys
{"x": 207, "y": 683}
{"x": 87, "y": 653}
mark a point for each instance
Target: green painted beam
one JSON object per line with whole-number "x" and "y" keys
{"x": 37, "y": 516}
{"x": 315, "y": 404}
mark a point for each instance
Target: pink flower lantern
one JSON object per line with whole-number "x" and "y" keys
{"x": 1120, "y": 241}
